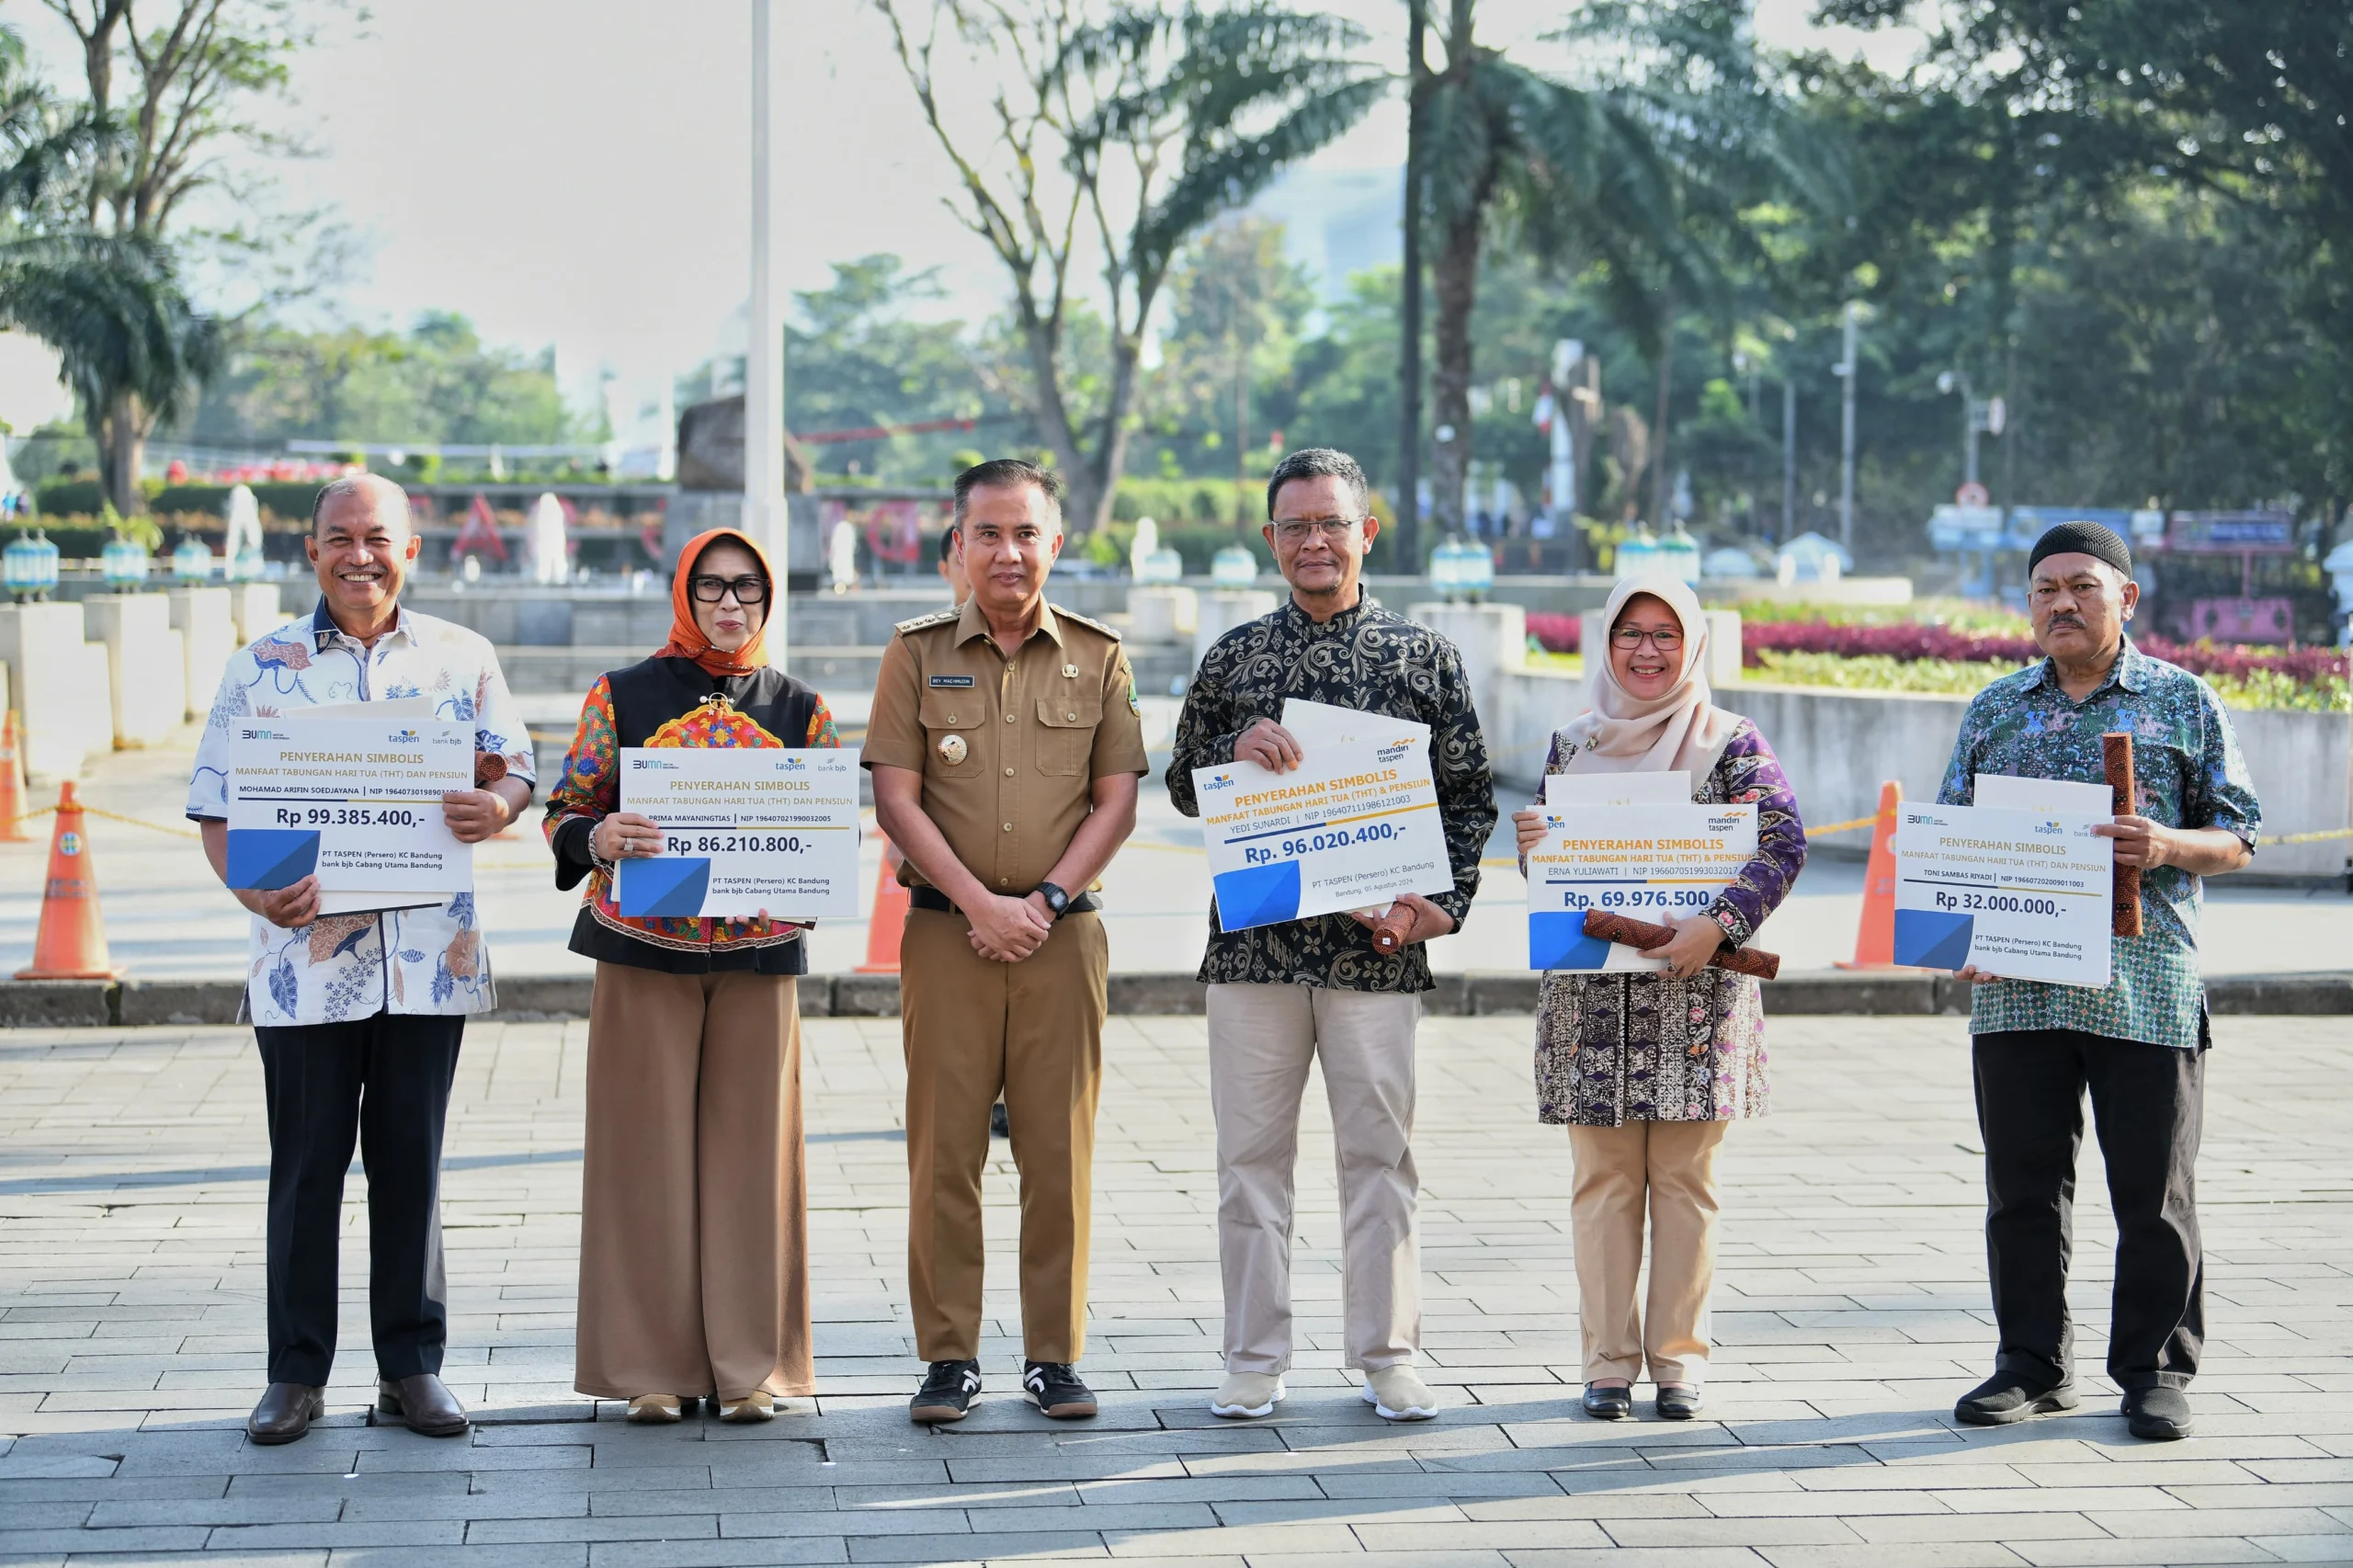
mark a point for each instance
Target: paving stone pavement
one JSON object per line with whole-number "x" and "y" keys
{"x": 1851, "y": 1309}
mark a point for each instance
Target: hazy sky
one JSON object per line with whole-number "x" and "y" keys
{"x": 576, "y": 172}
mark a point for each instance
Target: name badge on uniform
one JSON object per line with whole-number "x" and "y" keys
{"x": 951, "y": 749}
{"x": 951, "y": 680}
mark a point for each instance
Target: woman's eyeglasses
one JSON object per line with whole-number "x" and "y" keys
{"x": 748, "y": 590}
{"x": 1626, "y": 637}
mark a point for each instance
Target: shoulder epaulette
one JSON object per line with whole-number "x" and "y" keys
{"x": 924, "y": 622}
{"x": 1086, "y": 620}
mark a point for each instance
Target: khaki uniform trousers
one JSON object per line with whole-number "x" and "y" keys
{"x": 694, "y": 1225}
{"x": 1262, "y": 1039}
{"x": 1674, "y": 1163}
{"x": 1033, "y": 1030}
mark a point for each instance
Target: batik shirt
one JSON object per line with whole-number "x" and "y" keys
{"x": 1375, "y": 662}
{"x": 343, "y": 966}
{"x": 2188, "y": 770}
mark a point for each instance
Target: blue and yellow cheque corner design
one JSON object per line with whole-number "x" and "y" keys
{"x": 1933, "y": 938}
{"x": 268, "y": 858}
{"x": 667, "y": 887}
{"x": 1256, "y": 895}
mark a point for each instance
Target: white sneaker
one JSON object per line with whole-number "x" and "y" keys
{"x": 1396, "y": 1393}
{"x": 1245, "y": 1395}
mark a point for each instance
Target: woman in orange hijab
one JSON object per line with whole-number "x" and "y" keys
{"x": 694, "y": 1272}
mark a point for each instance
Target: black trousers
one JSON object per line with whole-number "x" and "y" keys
{"x": 384, "y": 1080}
{"x": 2147, "y": 1103}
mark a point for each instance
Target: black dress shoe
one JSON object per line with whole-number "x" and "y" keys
{"x": 2006, "y": 1396}
{"x": 1679, "y": 1404}
{"x": 423, "y": 1404}
{"x": 2160, "y": 1415}
{"x": 1608, "y": 1404}
{"x": 286, "y": 1412}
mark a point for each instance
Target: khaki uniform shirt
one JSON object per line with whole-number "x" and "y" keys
{"x": 1009, "y": 749}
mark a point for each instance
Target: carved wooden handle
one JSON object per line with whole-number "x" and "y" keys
{"x": 1389, "y": 932}
{"x": 1642, "y": 934}
{"x": 489, "y": 768}
{"x": 2115, "y": 752}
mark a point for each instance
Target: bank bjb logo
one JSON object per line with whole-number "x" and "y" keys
{"x": 1221, "y": 780}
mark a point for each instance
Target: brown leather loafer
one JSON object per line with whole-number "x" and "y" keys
{"x": 423, "y": 1404}
{"x": 286, "y": 1412}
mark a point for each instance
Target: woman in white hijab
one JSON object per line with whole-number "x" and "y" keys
{"x": 1646, "y": 1068}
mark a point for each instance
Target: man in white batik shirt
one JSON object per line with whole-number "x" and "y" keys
{"x": 358, "y": 1018}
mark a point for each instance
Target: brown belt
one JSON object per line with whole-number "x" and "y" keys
{"x": 938, "y": 902}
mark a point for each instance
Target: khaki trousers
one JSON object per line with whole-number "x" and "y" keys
{"x": 1261, "y": 1039}
{"x": 694, "y": 1227}
{"x": 1674, "y": 1163}
{"x": 1033, "y": 1030}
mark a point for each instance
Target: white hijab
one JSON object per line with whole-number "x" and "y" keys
{"x": 1678, "y": 728}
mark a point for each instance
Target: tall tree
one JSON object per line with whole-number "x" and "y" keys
{"x": 1503, "y": 145}
{"x": 190, "y": 72}
{"x": 1117, "y": 133}
{"x": 1236, "y": 304}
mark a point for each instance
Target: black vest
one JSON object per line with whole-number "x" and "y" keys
{"x": 650, "y": 694}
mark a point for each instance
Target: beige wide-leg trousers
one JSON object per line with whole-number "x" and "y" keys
{"x": 1262, "y": 1039}
{"x": 1674, "y": 1164}
{"x": 694, "y": 1228}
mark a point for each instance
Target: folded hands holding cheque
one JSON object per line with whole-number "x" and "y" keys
{"x": 1411, "y": 917}
{"x": 1696, "y": 936}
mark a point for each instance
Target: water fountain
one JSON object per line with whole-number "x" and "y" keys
{"x": 241, "y": 549}
{"x": 547, "y": 559}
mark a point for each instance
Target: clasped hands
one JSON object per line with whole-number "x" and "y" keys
{"x": 472, "y": 816}
{"x": 1696, "y": 936}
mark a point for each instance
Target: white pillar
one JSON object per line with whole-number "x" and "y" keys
{"x": 1221, "y": 611}
{"x": 1492, "y": 640}
{"x": 203, "y": 618}
{"x": 146, "y": 664}
{"x": 764, "y": 508}
{"x": 58, "y": 684}
{"x": 1162, "y": 614}
{"x": 256, "y": 609}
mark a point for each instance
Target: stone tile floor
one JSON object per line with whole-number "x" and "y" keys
{"x": 1850, "y": 1310}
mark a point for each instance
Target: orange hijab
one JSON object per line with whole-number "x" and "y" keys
{"x": 686, "y": 641}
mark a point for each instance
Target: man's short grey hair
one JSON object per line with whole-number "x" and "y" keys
{"x": 351, "y": 485}
{"x": 1321, "y": 462}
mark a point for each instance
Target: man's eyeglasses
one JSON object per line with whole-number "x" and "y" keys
{"x": 1626, "y": 637}
{"x": 748, "y": 590}
{"x": 1298, "y": 530}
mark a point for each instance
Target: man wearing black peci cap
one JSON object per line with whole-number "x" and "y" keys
{"x": 2139, "y": 1044}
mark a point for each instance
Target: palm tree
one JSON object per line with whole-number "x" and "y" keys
{"x": 131, "y": 347}
{"x": 1503, "y": 146}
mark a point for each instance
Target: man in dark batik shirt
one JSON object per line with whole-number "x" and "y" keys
{"x": 1283, "y": 996}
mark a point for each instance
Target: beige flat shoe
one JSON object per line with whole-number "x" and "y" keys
{"x": 757, "y": 1405}
{"x": 653, "y": 1409}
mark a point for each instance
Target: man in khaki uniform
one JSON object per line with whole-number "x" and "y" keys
{"x": 1006, "y": 744}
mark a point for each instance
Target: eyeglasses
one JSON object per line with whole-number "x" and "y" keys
{"x": 1626, "y": 637}
{"x": 748, "y": 590}
{"x": 1297, "y": 530}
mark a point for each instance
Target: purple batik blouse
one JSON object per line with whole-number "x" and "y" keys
{"x": 1646, "y": 1047}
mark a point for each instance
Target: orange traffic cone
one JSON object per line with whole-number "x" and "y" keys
{"x": 12, "y": 784}
{"x": 889, "y": 923}
{"x": 72, "y": 941}
{"x": 1875, "y": 939}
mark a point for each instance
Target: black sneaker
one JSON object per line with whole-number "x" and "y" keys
{"x": 2006, "y": 1397}
{"x": 1053, "y": 1386}
{"x": 2159, "y": 1415}
{"x": 946, "y": 1393}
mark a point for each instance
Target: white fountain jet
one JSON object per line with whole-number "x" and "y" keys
{"x": 241, "y": 551}
{"x": 546, "y": 559}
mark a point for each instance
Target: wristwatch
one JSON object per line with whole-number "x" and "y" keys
{"x": 1056, "y": 899}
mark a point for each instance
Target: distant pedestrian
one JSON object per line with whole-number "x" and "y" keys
{"x": 1284, "y": 996}
{"x": 1650, "y": 1069}
{"x": 2139, "y": 1044}
{"x": 694, "y": 1226}
{"x": 358, "y": 1016}
{"x": 1006, "y": 740}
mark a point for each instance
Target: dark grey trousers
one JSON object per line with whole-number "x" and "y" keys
{"x": 2147, "y": 1103}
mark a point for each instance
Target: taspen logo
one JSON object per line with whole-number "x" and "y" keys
{"x": 1396, "y": 749}
{"x": 2050, "y": 829}
{"x": 403, "y": 737}
{"x": 791, "y": 764}
{"x": 1221, "y": 780}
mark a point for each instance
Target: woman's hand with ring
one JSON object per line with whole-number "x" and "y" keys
{"x": 627, "y": 835}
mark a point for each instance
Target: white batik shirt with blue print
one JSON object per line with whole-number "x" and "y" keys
{"x": 345, "y": 967}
